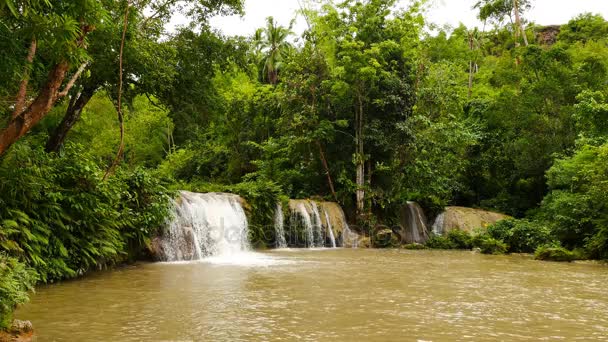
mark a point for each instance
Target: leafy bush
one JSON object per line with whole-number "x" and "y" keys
{"x": 16, "y": 280}
{"x": 576, "y": 209}
{"x": 58, "y": 216}
{"x": 489, "y": 245}
{"x": 460, "y": 239}
{"x": 263, "y": 197}
{"x": 455, "y": 239}
{"x": 439, "y": 242}
{"x": 521, "y": 236}
{"x": 550, "y": 253}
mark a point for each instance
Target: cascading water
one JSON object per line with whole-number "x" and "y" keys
{"x": 438, "y": 224}
{"x": 279, "y": 227}
{"x": 205, "y": 225}
{"x": 317, "y": 226}
{"x": 414, "y": 225}
{"x": 350, "y": 238}
{"x": 306, "y": 221}
{"x": 330, "y": 229}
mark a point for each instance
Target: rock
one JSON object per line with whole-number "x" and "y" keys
{"x": 364, "y": 242}
{"x": 155, "y": 248}
{"x": 547, "y": 35}
{"x": 466, "y": 219}
{"x": 19, "y": 326}
{"x": 20, "y": 331}
{"x": 385, "y": 238}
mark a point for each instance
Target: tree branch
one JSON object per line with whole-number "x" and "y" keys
{"x": 20, "y": 102}
{"x": 72, "y": 81}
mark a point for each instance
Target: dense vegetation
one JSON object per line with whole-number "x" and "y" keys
{"x": 103, "y": 111}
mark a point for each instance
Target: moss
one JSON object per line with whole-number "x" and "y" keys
{"x": 414, "y": 246}
{"x": 549, "y": 253}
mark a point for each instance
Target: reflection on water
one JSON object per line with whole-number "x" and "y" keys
{"x": 329, "y": 294}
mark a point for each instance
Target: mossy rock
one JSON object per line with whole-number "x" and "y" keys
{"x": 385, "y": 238}
{"x": 554, "y": 254}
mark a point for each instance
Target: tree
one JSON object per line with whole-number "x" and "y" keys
{"x": 271, "y": 42}
{"x": 498, "y": 10}
{"x": 42, "y": 22}
{"x": 149, "y": 64}
{"x": 372, "y": 78}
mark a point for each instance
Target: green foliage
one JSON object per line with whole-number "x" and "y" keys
{"x": 460, "y": 239}
{"x": 575, "y": 209}
{"x": 16, "y": 280}
{"x": 583, "y": 28}
{"x": 439, "y": 242}
{"x": 549, "y": 253}
{"x": 263, "y": 197}
{"x": 521, "y": 236}
{"x": 414, "y": 246}
{"x": 455, "y": 239}
{"x": 60, "y": 218}
{"x": 489, "y": 245}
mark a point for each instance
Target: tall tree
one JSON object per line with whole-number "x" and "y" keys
{"x": 62, "y": 29}
{"x": 373, "y": 50}
{"x": 498, "y": 10}
{"x": 271, "y": 42}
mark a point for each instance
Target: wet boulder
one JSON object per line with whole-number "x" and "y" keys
{"x": 20, "y": 331}
{"x": 465, "y": 219}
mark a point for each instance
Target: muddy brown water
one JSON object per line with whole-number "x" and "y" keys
{"x": 323, "y": 295}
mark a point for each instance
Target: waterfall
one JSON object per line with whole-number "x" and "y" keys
{"x": 279, "y": 228}
{"x": 319, "y": 236}
{"x": 315, "y": 224}
{"x": 205, "y": 225}
{"x": 302, "y": 211}
{"x": 332, "y": 239}
{"x": 415, "y": 229}
{"x": 349, "y": 238}
{"x": 438, "y": 224}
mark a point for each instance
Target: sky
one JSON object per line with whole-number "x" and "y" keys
{"x": 451, "y": 12}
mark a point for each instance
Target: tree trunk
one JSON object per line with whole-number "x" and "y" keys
{"x": 520, "y": 27}
{"x": 326, "y": 167}
{"x": 360, "y": 160}
{"x": 471, "y": 64}
{"x": 48, "y": 96}
{"x": 72, "y": 115}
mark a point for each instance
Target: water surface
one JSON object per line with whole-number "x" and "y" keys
{"x": 338, "y": 295}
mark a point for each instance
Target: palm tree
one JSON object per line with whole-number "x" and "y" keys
{"x": 474, "y": 41}
{"x": 271, "y": 42}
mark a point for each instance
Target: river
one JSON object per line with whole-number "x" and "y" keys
{"x": 330, "y": 294}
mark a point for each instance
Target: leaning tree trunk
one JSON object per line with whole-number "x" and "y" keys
{"x": 72, "y": 115}
{"x": 327, "y": 172}
{"x": 22, "y": 123}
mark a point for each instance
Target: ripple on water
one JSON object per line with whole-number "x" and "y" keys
{"x": 330, "y": 294}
